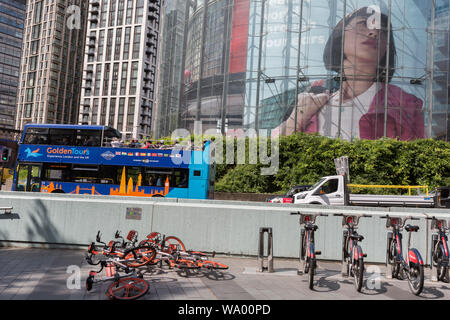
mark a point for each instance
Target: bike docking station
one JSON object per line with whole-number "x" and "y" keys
{"x": 439, "y": 249}
{"x": 261, "y": 267}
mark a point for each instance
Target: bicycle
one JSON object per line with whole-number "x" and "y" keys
{"x": 352, "y": 253}
{"x": 172, "y": 251}
{"x": 412, "y": 267}
{"x": 439, "y": 249}
{"x": 307, "y": 249}
{"x": 128, "y": 286}
{"x": 133, "y": 256}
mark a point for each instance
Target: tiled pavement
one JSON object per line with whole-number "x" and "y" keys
{"x": 43, "y": 274}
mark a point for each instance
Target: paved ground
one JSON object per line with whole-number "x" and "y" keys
{"x": 44, "y": 274}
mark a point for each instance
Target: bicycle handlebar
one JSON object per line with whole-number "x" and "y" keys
{"x": 355, "y": 218}
{"x": 403, "y": 220}
{"x": 309, "y": 214}
{"x": 434, "y": 223}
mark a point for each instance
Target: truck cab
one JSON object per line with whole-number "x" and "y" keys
{"x": 327, "y": 191}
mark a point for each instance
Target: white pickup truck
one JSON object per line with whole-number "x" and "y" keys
{"x": 331, "y": 191}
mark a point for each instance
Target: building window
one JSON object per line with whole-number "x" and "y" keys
{"x": 133, "y": 78}
{"x": 30, "y": 95}
{"x": 139, "y": 11}
{"x": 120, "y": 13}
{"x": 126, "y": 43}
{"x": 94, "y": 111}
{"x": 129, "y": 12}
{"x": 117, "y": 44}
{"x": 101, "y": 39}
{"x": 112, "y": 10}
{"x": 103, "y": 13}
{"x": 137, "y": 42}
{"x": 130, "y": 116}
{"x": 103, "y": 111}
{"x": 115, "y": 76}
{"x": 109, "y": 41}
{"x": 98, "y": 75}
{"x": 120, "y": 114}
{"x": 112, "y": 111}
{"x": 28, "y": 108}
{"x": 123, "y": 81}
{"x": 106, "y": 79}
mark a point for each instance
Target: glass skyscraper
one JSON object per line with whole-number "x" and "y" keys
{"x": 12, "y": 16}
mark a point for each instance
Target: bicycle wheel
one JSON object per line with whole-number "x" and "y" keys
{"x": 127, "y": 289}
{"x": 311, "y": 270}
{"x": 358, "y": 273}
{"x": 174, "y": 244}
{"x": 416, "y": 278}
{"x": 444, "y": 275}
{"x": 437, "y": 259}
{"x": 139, "y": 256}
{"x": 89, "y": 281}
{"x": 392, "y": 260}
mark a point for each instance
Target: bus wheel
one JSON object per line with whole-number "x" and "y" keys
{"x": 57, "y": 191}
{"x": 157, "y": 196}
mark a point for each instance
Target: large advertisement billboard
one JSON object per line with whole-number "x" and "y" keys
{"x": 350, "y": 70}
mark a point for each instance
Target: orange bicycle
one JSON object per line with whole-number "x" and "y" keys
{"x": 126, "y": 286}
{"x": 133, "y": 256}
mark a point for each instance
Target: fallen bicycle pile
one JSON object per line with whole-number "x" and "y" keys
{"x": 123, "y": 260}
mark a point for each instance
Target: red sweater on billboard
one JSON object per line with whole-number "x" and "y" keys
{"x": 404, "y": 116}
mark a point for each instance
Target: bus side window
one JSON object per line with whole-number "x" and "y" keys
{"x": 108, "y": 174}
{"x": 151, "y": 181}
{"x": 181, "y": 178}
{"x": 36, "y": 136}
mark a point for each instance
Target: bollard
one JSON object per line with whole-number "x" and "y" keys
{"x": 269, "y": 267}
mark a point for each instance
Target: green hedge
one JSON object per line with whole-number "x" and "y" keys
{"x": 304, "y": 158}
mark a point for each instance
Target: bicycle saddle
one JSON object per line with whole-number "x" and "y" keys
{"x": 411, "y": 228}
{"x": 357, "y": 237}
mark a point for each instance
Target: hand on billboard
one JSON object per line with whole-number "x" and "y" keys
{"x": 308, "y": 105}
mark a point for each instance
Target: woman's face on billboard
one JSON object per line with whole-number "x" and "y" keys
{"x": 363, "y": 44}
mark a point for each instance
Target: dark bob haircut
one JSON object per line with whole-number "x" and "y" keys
{"x": 332, "y": 52}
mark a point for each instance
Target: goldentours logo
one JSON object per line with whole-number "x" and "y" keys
{"x": 108, "y": 155}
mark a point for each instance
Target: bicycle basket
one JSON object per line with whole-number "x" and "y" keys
{"x": 306, "y": 218}
{"x": 110, "y": 270}
{"x": 153, "y": 235}
{"x": 437, "y": 224}
{"x": 391, "y": 222}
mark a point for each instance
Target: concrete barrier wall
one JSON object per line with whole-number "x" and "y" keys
{"x": 229, "y": 227}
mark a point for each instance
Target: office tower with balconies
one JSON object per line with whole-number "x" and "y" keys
{"x": 52, "y": 60}
{"x": 12, "y": 15}
{"x": 120, "y": 65}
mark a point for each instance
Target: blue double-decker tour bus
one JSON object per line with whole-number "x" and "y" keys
{"x": 81, "y": 159}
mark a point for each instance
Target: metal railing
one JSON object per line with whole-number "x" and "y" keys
{"x": 390, "y": 187}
